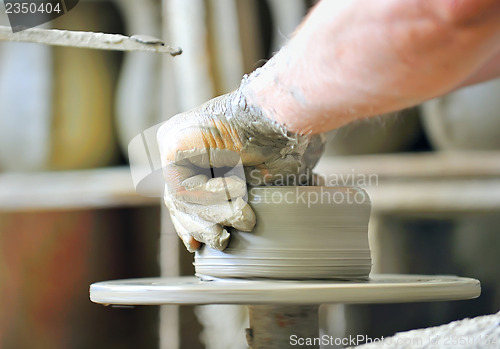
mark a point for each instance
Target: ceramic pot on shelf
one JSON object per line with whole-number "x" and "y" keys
{"x": 468, "y": 119}
{"x": 387, "y": 133}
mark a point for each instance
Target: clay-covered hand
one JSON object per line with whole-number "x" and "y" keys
{"x": 210, "y": 153}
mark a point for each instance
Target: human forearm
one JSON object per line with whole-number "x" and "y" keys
{"x": 488, "y": 71}
{"x": 354, "y": 59}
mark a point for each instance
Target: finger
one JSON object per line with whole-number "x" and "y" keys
{"x": 201, "y": 190}
{"x": 191, "y": 244}
{"x": 242, "y": 219}
{"x": 203, "y": 231}
{"x": 189, "y": 241}
{"x": 209, "y": 157}
{"x": 236, "y": 213}
{"x": 175, "y": 175}
{"x": 194, "y": 133}
{"x": 189, "y": 185}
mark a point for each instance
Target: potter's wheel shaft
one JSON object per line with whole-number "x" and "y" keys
{"x": 271, "y": 327}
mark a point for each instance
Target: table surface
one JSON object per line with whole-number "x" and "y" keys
{"x": 382, "y": 288}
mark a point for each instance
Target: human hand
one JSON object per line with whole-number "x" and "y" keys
{"x": 209, "y": 154}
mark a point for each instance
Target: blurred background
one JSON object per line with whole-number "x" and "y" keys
{"x": 69, "y": 215}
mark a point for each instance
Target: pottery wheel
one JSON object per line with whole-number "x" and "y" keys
{"x": 382, "y": 288}
{"x": 299, "y": 255}
{"x": 279, "y": 309}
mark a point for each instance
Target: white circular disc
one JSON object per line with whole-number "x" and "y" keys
{"x": 383, "y": 288}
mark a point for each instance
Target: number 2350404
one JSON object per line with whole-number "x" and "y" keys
{"x": 32, "y": 7}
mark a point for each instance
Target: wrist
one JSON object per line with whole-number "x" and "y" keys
{"x": 298, "y": 87}
{"x": 248, "y": 112}
{"x": 259, "y": 133}
{"x": 267, "y": 89}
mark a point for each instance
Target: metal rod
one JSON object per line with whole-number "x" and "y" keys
{"x": 82, "y": 39}
{"x": 280, "y": 326}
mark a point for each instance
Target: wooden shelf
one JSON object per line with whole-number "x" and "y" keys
{"x": 405, "y": 183}
{"x": 98, "y": 188}
{"x": 416, "y": 165}
{"x": 423, "y": 183}
{"x": 436, "y": 197}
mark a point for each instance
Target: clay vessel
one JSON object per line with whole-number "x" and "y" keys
{"x": 301, "y": 233}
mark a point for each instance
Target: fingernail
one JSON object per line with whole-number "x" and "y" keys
{"x": 193, "y": 245}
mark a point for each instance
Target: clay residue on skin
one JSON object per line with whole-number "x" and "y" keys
{"x": 281, "y": 151}
{"x": 227, "y": 132}
{"x": 216, "y": 189}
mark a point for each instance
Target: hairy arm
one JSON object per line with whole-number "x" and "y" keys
{"x": 352, "y": 59}
{"x": 489, "y": 70}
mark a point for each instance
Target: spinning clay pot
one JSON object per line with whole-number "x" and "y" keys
{"x": 301, "y": 233}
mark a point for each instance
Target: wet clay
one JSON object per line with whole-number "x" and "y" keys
{"x": 301, "y": 233}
